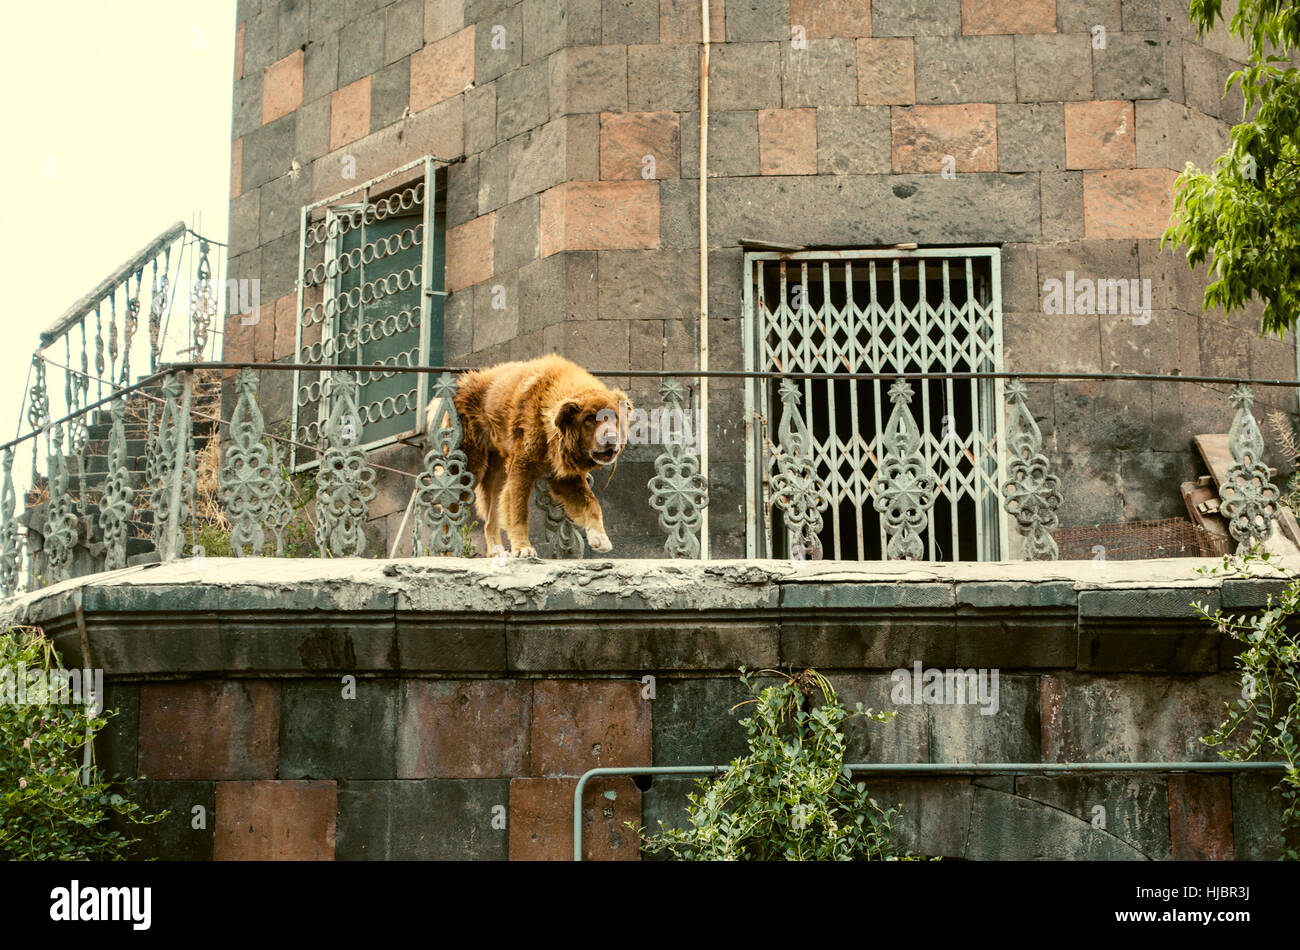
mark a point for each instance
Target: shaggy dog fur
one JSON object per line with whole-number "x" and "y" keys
{"x": 523, "y": 420}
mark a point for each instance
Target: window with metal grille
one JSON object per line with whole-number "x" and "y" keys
{"x": 889, "y": 312}
{"x": 370, "y": 294}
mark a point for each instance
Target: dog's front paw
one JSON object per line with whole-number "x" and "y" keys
{"x": 526, "y": 551}
{"x": 495, "y": 550}
{"x": 598, "y": 540}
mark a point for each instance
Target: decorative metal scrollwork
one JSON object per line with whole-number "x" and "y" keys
{"x": 11, "y": 539}
{"x": 678, "y": 491}
{"x": 203, "y": 302}
{"x": 345, "y": 482}
{"x": 445, "y": 487}
{"x": 565, "y": 538}
{"x": 904, "y": 488}
{"x": 115, "y": 508}
{"x": 60, "y": 519}
{"x": 162, "y": 464}
{"x": 1249, "y": 501}
{"x": 1032, "y": 493}
{"x": 254, "y": 491}
{"x": 796, "y": 489}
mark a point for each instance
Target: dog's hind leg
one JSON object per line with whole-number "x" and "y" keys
{"x": 489, "y": 503}
{"x": 583, "y": 510}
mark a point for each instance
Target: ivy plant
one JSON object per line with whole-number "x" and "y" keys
{"x": 1265, "y": 720}
{"x": 789, "y": 798}
{"x": 51, "y": 808}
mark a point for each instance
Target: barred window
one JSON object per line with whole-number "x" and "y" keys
{"x": 371, "y": 295}
{"x": 889, "y": 312}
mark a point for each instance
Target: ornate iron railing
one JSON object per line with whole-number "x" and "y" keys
{"x": 254, "y": 480}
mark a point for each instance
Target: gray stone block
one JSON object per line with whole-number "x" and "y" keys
{"x": 268, "y": 151}
{"x": 259, "y": 41}
{"x": 824, "y": 74}
{"x": 1062, "y": 206}
{"x": 632, "y": 285}
{"x": 1031, "y": 137}
{"x": 750, "y": 20}
{"x": 247, "y": 105}
{"x": 480, "y": 118}
{"x": 537, "y": 160}
{"x": 496, "y": 313}
{"x": 1132, "y": 66}
{"x": 326, "y": 18}
{"x": 868, "y": 639}
{"x": 1009, "y": 828}
{"x": 320, "y": 71}
{"x": 116, "y": 743}
{"x": 390, "y": 94}
{"x": 403, "y": 29}
{"x": 694, "y": 721}
{"x": 174, "y": 838}
{"x": 733, "y": 147}
{"x": 498, "y": 44}
{"x": 292, "y": 28}
{"x": 1053, "y": 67}
{"x": 904, "y": 738}
{"x": 1204, "y": 74}
{"x": 853, "y": 140}
{"x": 1257, "y": 806}
{"x": 517, "y": 235}
{"x": 244, "y": 214}
{"x": 663, "y": 77}
{"x": 312, "y": 135}
{"x": 1143, "y": 15}
{"x": 423, "y": 820}
{"x": 326, "y": 736}
{"x": 279, "y": 266}
{"x": 281, "y": 207}
{"x": 744, "y": 76}
{"x": 967, "y": 732}
{"x": 361, "y": 48}
{"x": 457, "y": 337}
{"x": 1130, "y": 803}
{"x": 915, "y": 17}
{"x": 541, "y": 293}
{"x": 1080, "y": 16}
{"x": 493, "y": 178}
{"x": 521, "y": 100}
{"x": 462, "y": 191}
{"x": 629, "y": 21}
{"x": 545, "y": 25}
{"x": 588, "y": 79}
{"x": 926, "y": 209}
{"x": 934, "y": 815}
{"x": 965, "y": 69}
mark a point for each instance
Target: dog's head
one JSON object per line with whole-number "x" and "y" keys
{"x": 592, "y": 426}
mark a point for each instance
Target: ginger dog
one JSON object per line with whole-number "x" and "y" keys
{"x": 523, "y": 420}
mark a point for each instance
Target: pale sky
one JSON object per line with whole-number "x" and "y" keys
{"x": 117, "y": 124}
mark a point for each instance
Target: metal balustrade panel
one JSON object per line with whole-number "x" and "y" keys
{"x": 890, "y": 312}
{"x": 370, "y": 294}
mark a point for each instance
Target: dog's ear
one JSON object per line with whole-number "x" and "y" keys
{"x": 565, "y": 413}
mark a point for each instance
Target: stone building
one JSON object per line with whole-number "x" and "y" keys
{"x": 1032, "y": 143}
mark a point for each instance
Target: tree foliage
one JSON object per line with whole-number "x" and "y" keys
{"x": 1243, "y": 215}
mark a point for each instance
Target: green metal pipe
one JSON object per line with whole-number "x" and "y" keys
{"x": 932, "y": 768}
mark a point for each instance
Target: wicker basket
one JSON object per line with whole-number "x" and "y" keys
{"x": 1140, "y": 541}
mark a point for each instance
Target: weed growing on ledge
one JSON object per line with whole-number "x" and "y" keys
{"x": 1267, "y": 716}
{"x": 789, "y": 799}
{"x": 47, "y": 811}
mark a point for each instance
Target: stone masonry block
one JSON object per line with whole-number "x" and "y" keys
{"x": 1127, "y": 203}
{"x": 521, "y": 100}
{"x": 600, "y": 216}
{"x": 350, "y": 113}
{"x": 209, "y": 730}
{"x": 282, "y": 87}
{"x": 541, "y": 819}
{"x": 663, "y": 77}
{"x": 832, "y": 18}
{"x": 275, "y": 821}
{"x": 853, "y": 140}
{"x": 787, "y": 140}
{"x": 588, "y": 79}
{"x": 585, "y": 724}
{"x": 326, "y": 733}
{"x": 924, "y": 135}
{"x": 823, "y": 74}
{"x": 965, "y": 69}
{"x": 1053, "y": 67}
{"x": 1200, "y": 817}
{"x": 886, "y": 71}
{"x": 442, "y": 69}
{"x": 464, "y": 729}
{"x": 627, "y": 138}
{"x": 1100, "y": 135}
{"x": 745, "y": 76}
{"x": 1028, "y": 16}
{"x": 916, "y": 17}
{"x": 1031, "y": 137}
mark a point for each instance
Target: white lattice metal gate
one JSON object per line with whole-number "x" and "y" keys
{"x": 370, "y": 293}
{"x": 889, "y": 312}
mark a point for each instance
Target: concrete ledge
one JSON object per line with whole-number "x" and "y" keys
{"x": 470, "y": 615}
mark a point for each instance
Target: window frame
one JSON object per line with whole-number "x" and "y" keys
{"x": 428, "y": 171}
{"x": 763, "y": 415}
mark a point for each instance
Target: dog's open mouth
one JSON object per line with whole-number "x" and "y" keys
{"x": 605, "y": 456}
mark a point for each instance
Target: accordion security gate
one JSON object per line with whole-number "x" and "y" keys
{"x": 889, "y": 312}
{"x": 370, "y": 291}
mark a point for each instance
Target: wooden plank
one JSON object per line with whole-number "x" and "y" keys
{"x": 1197, "y": 496}
{"x": 1213, "y": 448}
